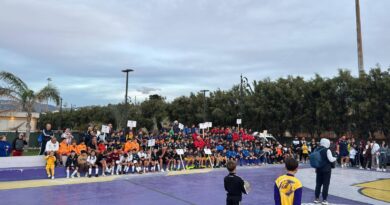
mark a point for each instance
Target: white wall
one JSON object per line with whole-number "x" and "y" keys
{"x": 22, "y": 161}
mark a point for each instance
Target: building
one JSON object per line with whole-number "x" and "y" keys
{"x": 11, "y": 120}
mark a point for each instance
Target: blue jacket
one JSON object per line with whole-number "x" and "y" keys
{"x": 5, "y": 149}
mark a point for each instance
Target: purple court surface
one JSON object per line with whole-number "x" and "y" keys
{"x": 154, "y": 189}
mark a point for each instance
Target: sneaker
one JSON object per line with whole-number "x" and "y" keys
{"x": 68, "y": 177}
{"x": 360, "y": 167}
{"x": 384, "y": 170}
{"x": 162, "y": 170}
{"x": 378, "y": 170}
{"x": 325, "y": 202}
{"x": 368, "y": 168}
{"x": 48, "y": 176}
{"x": 317, "y": 201}
{"x": 52, "y": 177}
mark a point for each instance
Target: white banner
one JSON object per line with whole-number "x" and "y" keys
{"x": 181, "y": 126}
{"x": 202, "y": 126}
{"x": 239, "y": 121}
{"x": 209, "y": 124}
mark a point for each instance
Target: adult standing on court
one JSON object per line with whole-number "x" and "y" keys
{"x": 323, "y": 173}
{"x": 343, "y": 151}
{"x": 47, "y": 134}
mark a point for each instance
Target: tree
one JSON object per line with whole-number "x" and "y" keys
{"x": 18, "y": 91}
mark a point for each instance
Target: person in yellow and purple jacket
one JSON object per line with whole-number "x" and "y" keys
{"x": 287, "y": 188}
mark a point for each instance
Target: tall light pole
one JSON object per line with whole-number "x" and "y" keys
{"x": 359, "y": 39}
{"x": 127, "y": 81}
{"x": 204, "y": 104}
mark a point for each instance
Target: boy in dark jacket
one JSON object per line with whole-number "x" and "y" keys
{"x": 234, "y": 185}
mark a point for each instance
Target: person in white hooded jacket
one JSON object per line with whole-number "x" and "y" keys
{"x": 323, "y": 173}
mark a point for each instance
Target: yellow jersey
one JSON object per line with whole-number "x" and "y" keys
{"x": 50, "y": 160}
{"x": 287, "y": 190}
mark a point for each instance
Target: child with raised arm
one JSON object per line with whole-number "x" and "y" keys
{"x": 50, "y": 164}
{"x": 287, "y": 188}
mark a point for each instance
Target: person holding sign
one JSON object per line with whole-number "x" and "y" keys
{"x": 234, "y": 185}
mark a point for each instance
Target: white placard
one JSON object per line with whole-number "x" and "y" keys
{"x": 239, "y": 121}
{"x": 131, "y": 123}
{"x": 265, "y": 132}
{"x": 151, "y": 143}
{"x": 180, "y": 151}
{"x": 209, "y": 124}
{"x": 202, "y": 126}
{"x": 105, "y": 129}
{"x": 181, "y": 126}
{"x": 207, "y": 151}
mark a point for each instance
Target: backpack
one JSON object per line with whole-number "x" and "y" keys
{"x": 315, "y": 158}
{"x": 40, "y": 138}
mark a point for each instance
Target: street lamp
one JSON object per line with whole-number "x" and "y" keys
{"x": 204, "y": 104}
{"x": 127, "y": 81}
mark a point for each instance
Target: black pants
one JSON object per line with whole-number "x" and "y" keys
{"x": 322, "y": 180}
{"x": 232, "y": 202}
{"x": 43, "y": 147}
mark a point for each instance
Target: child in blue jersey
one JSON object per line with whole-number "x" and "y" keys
{"x": 287, "y": 188}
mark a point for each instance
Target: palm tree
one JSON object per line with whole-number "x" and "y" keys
{"x": 17, "y": 90}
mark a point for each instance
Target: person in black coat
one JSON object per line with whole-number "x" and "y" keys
{"x": 47, "y": 134}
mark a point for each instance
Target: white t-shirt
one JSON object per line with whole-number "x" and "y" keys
{"x": 52, "y": 147}
{"x": 352, "y": 153}
{"x": 91, "y": 160}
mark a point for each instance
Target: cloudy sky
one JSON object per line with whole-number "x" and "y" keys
{"x": 181, "y": 46}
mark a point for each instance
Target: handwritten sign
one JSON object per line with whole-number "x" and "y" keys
{"x": 105, "y": 129}
{"x": 180, "y": 151}
{"x": 207, "y": 151}
{"x": 151, "y": 143}
{"x": 131, "y": 123}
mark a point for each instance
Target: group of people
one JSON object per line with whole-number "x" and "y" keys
{"x": 123, "y": 152}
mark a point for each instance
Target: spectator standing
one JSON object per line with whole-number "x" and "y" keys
{"x": 47, "y": 134}
{"x": 375, "y": 155}
{"x": 18, "y": 145}
{"x": 323, "y": 173}
{"x": 5, "y": 147}
{"x": 383, "y": 157}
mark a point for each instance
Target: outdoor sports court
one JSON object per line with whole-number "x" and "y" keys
{"x": 204, "y": 186}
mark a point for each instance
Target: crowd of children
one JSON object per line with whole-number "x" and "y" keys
{"x": 115, "y": 153}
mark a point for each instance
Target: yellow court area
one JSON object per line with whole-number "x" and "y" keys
{"x": 55, "y": 182}
{"x": 379, "y": 189}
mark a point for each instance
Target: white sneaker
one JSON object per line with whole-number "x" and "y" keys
{"x": 368, "y": 168}
{"x": 162, "y": 170}
{"x": 325, "y": 202}
{"x": 378, "y": 170}
{"x": 48, "y": 176}
{"x": 52, "y": 177}
{"x": 384, "y": 170}
{"x": 360, "y": 167}
{"x": 317, "y": 201}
